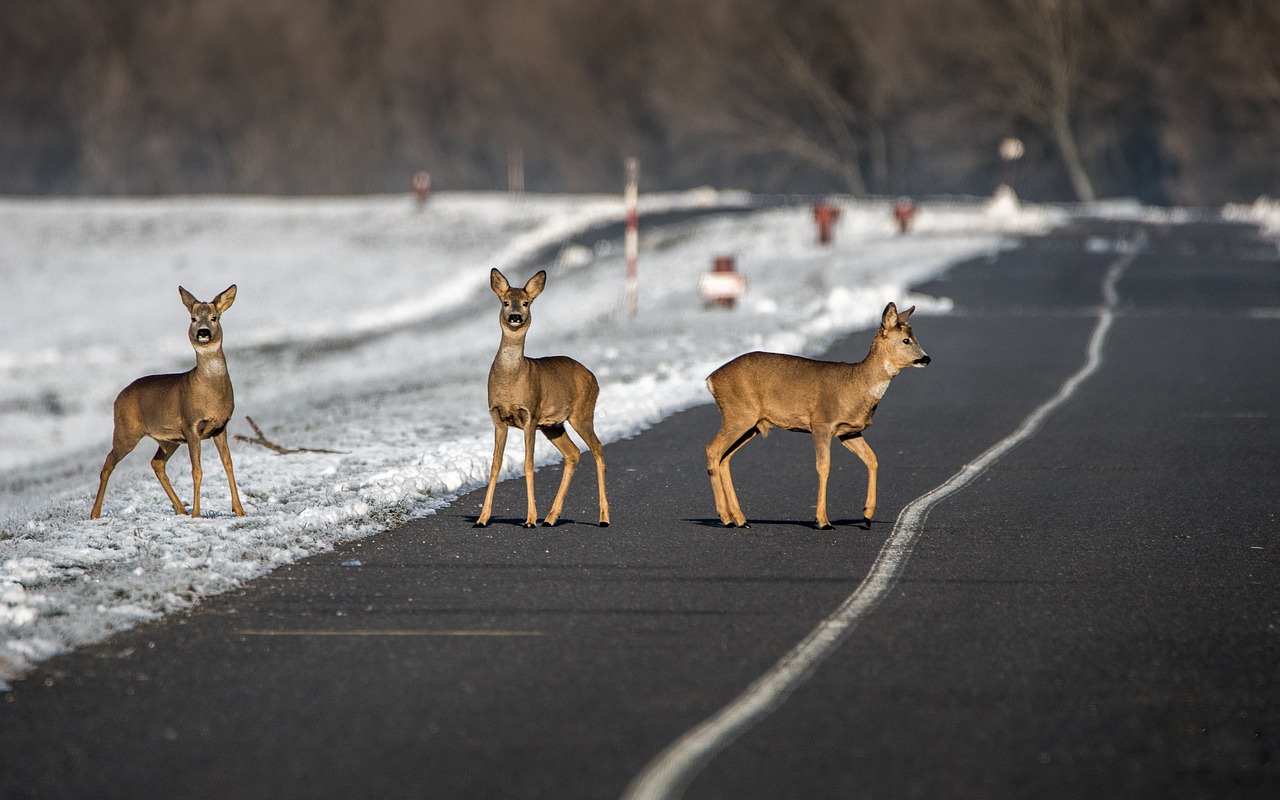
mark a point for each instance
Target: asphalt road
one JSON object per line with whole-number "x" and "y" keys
{"x": 1096, "y": 615}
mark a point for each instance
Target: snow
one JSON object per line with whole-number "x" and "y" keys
{"x": 1264, "y": 212}
{"x": 366, "y": 326}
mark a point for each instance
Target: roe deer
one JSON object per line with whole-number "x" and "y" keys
{"x": 180, "y": 408}
{"x": 759, "y": 391}
{"x": 538, "y": 394}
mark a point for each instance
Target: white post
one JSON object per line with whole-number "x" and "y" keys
{"x": 632, "y": 241}
{"x": 1011, "y": 150}
{"x": 515, "y": 169}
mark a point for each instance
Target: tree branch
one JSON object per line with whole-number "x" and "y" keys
{"x": 262, "y": 440}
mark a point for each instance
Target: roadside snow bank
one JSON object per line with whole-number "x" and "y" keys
{"x": 1265, "y": 212}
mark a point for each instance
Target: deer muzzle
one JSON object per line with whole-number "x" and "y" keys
{"x": 204, "y": 335}
{"x": 922, "y": 361}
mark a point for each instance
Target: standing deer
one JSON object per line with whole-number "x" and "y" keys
{"x": 538, "y": 394}
{"x": 759, "y": 391}
{"x": 180, "y": 408}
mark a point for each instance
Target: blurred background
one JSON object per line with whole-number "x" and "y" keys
{"x": 1167, "y": 101}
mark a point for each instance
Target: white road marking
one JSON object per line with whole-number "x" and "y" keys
{"x": 669, "y": 774}
{"x": 367, "y": 632}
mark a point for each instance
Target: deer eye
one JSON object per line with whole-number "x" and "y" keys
{"x": 906, "y": 341}
{"x": 213, "y": 319}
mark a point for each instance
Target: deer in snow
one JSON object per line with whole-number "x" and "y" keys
{"x": 181, "y": 408}
{"x": 759, "y": 391}
{"x": 538, "y": 394}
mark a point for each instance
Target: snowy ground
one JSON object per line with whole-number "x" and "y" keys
{"x": 365, "y": 326}
{"x": 1264, "y": 212}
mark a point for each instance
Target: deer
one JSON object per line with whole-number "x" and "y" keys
{"x": 759, "y": 391}
{"x": 538, "y": 394}
{"x": 183, "y": 408}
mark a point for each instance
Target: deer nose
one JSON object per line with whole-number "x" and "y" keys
{"x": 515, "y": 319}
{"x": 923, "y": 361}
{"x": 204, "y": 333}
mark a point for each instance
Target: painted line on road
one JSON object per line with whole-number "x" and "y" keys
{"x": 672, "y": 770}
{"x": 387, "y": 633}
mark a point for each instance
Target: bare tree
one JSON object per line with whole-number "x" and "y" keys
{"x": 1220, "y": 95}
{"x": 1027, "y": 59}
{"x": 772, "y": 94}
{"x": 1161, "y": 98}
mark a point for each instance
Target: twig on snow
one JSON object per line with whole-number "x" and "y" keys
{"x": 260, "y": 439}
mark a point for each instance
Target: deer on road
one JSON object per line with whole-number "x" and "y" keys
{"x": 180, "y": 409}
{"x": 759, "y": 391}
{"x": 538, "y": 394}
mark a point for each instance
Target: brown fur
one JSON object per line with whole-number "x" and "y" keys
{"x": 180, "y": 409}
{"x": 759, "y": 391}
{"x": 538, "y": 394}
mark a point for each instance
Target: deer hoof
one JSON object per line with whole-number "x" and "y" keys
{"x": 827, "y": 527}
{"x": 481, "y": 525}
{"x": 530, "y": 525}
{"x": 604, "y": 523}
{"x": 546, "y": 523}
{"x": 866, "y": 523}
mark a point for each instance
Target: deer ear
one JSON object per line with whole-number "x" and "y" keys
{"x": 223, "y": 301}
{"x": 903, "y": 316}
{"x": 188, "y": 299}
{"x": 498, "y": 282}
{"x": 889, "y": 319}
{"x": 536, "y": 284}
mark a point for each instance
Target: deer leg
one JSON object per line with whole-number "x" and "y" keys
{"x": 119, "y": 449}
{"x": 557, "y": 435}
{"x": 726, "y": 479}
{"x": 729, "y": 440}
{"x": 822, "y": 451}
{"x": 734, "y": 508}
{"x": 224, "y": 452}
{"x": 499, "y": 445}
{"x": 108, "y": 467}
{"x": 158, "y": 462}
{"x": 197, "y": 474}
{"x": 585, "y": 427}
{"x": 531, "y": 512}
{"x": 859, "y": 447}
